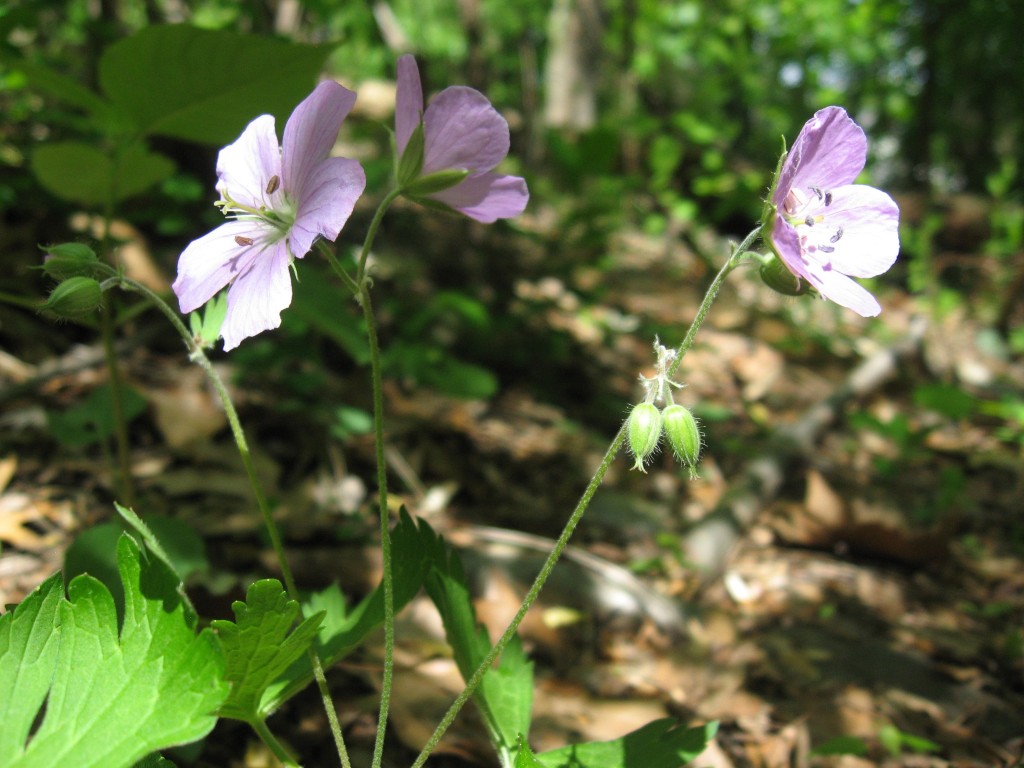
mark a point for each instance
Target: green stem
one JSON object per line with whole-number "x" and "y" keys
{"x": 198, "y": 356}
{"x": 702, "y": 312}
{"x": 360, "y": 288}
{"x": 125, "y": 486}
{"x": 588, "y": 494}
{"x": 260, "y": 726}
{"x": 531, "y": 596}
{"x": 371, "y": 233}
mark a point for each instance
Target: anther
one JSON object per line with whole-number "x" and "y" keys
{"x": 828, "y": 199}
{"x": 273, "y": 184}
{"x": 245, "y": 240}
{"x": 836, "y": 236}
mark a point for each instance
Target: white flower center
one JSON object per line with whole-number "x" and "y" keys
{"x": 277, "y": 212}
{"x": 810, "y": 216}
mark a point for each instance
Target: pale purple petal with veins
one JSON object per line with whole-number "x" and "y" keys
{"x": 330, "y": 193}
{"x": 245, "y": 167}
{"x": 258, "y": 296}
{"x": 408, "y": 101}
{"x": 311, "y": 131}
{"x": 487, "y": 197}
{"x": 829, "y": 152}
{"x": 461, "y": 130}
{"x": 214, "y": 260}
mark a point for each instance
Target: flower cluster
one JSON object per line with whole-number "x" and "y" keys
{"x": 280, "y": 198}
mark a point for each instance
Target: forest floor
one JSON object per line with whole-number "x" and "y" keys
{"x": 875, "y": 595}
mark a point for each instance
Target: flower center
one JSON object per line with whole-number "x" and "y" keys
{"x": 809, "y": 215}
{"x": 277, "y": 213}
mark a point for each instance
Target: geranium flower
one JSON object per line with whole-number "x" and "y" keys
{"x": 454, "y": 147}
{"x": 279, "y": 199}
{"x": 825, "y": 228}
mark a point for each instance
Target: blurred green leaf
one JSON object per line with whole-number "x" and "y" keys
{"x": 659, "y": 744}
{"x": 92, "y": 419}
{"x": 218, "y": 82}
{"x": 842, "y": 745}
{"x": 82, "y": 173}
{"x": 946, "y": 399}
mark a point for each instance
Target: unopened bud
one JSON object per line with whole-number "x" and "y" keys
{"x": 75, "y": 298}
{"x": 683, "y": 434}
{"x": 643, "y": 431}
{"x": 69, "y": 260}
{"x": 777, "y": 276}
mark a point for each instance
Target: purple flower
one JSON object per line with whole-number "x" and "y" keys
{"x": 459, "y": 132}
{"x": 279, "y": 200}
{"x": 825, "y": 228}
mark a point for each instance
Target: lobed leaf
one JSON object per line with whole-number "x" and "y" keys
{"x": 113, "y": 699}
{"x": 260, "y": 645}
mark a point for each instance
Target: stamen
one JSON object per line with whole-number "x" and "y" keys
{"x": 809, "y": 221}
{"x": 273, "y": 184}
{"x": 817, "y": 192}
{"x": 244, "y": 240}
{"x": 828, "y": 199}
{"x": 836, "y": 236}
{"x": 826, "y": 249}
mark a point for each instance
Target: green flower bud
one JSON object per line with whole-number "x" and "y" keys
{"x": 69, "y": 260}
{"x": 643, "y": 431}
{"x": 75, "y": 298}
{"x": 777, "y": 276}
{"x": 683, "y": 434}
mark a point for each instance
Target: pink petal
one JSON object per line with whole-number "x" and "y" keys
{"x": 845, "y": 292}
{"x": 829, "y": 152}
{"x": 311, "y": 131}
{"x": 487, "y": 197}
{"x": 408, "y": 101}
{"x": 870, "y": 241}
{"x": 214, "y": 260}
{"x": 258, "y": 296}
{"x": 329, "y": 195}
{"x": 461, "y": 130}
{"x": 245, "y": 167}
{"x": 786, "y": 243}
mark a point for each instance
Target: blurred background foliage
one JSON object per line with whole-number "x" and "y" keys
{"x": 666, "y": 116}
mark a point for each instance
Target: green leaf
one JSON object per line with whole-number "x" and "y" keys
{"x": 28, "y": 651}
{"x": 842, "y": 745}
{"x": 658, "y": 744}
{"x": 113, "y": 700}
{"x": 155, "y": 761}
{"x": 525, "y": 757}
{"x": 92, "y": 419}
{"x": 260, "y": 644}
{"x": 505, "y": 696}
{"x": 51, "y": 82}
{"x": 414, "y": 547}
{"x": 219, "y": 82}
{"x": 83, "y": 173}
{"x": 206, "y": 327}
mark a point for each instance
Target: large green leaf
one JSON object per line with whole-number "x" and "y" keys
{"x": 115, "y": 699}
{"x": 82, "y": 173}
{"x": 203, "y": 85}
{"x": 28, "y": 651}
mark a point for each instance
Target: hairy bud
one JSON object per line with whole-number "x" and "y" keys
{"x": 683, "y": 434}
{"x": 643, "y": 431}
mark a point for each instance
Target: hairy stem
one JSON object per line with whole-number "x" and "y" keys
{"x": 198, "y": 356}
{"x": 588, "y": 494}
